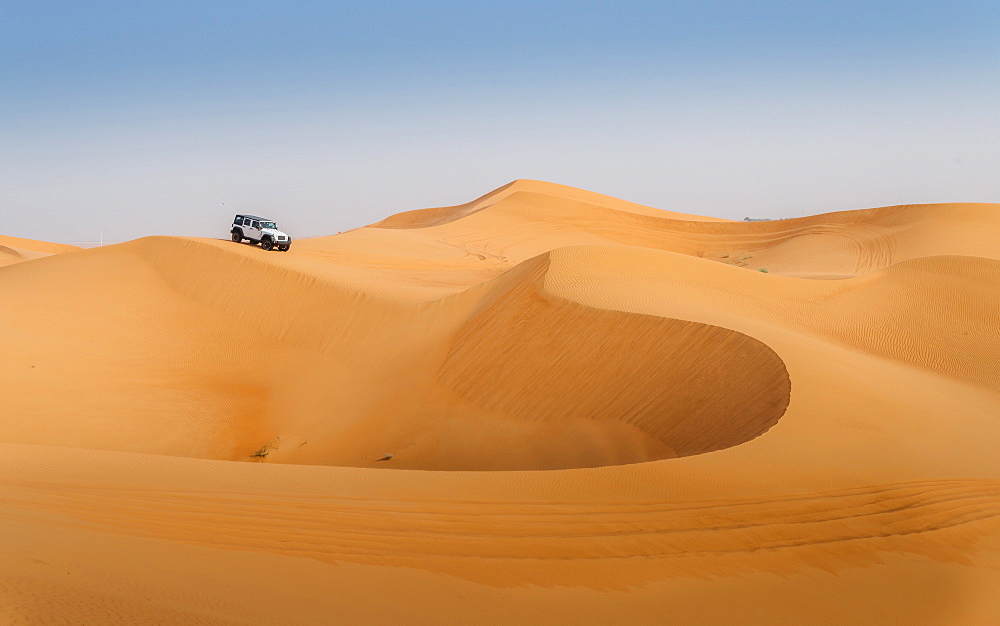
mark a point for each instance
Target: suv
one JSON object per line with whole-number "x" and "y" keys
{"x": 260, "y": 230}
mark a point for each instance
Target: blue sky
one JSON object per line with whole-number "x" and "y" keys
{"x": 131, "y": 119}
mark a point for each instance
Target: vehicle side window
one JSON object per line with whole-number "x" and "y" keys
{"x": 256, "y": 224}
{"x": 246, "y": 221}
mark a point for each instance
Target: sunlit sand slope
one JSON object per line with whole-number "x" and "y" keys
{"x": 811, "y": 444}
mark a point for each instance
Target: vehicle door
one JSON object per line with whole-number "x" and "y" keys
{"x": 253, "y": 229}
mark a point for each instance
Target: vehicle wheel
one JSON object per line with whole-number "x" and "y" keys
{"x": 282, "y": 248}
{"x": 267, "y": 244}
{"x": 238, "y": 236}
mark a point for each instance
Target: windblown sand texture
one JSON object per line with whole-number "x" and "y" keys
{"x": 544, "y": 406}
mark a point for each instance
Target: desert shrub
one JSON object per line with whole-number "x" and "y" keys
{"x": 260, "y": 454}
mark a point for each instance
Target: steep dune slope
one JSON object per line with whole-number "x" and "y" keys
{"x": 692, "y": 387}
{"x": 938, "y": 313}
{"x": 722, "y": 445}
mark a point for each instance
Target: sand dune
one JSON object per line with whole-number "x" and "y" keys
{"x": 14, "y": 249}
{"x": 195, "y": 430}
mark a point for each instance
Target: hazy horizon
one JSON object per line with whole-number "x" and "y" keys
{"x": 129, "y": 120}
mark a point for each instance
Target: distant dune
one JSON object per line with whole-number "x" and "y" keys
{"x": 14, "y": 249}
{"x": 544, "y": 406}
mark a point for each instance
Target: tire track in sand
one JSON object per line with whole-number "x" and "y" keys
{"x": 549, "y": 533}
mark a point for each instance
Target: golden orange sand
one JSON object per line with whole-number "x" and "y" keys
{"x": 544, "y": 406}
{"x": 15, "y": 249}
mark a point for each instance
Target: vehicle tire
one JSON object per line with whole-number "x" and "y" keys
{"x": 237, "y": 235}
{"x": 283, "y": 248}
{"x": 267, "y": 244}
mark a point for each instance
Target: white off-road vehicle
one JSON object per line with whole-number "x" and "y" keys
{"x": 260, "y": 230}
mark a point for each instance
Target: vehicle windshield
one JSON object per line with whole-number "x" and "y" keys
{"x": 267, "y": 225}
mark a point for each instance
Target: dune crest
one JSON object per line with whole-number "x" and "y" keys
{"x": 424, "y": 218}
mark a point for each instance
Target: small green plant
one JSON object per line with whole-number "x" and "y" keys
{"x": 763, "y": 269}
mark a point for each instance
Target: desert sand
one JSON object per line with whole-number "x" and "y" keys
{"x": 544, "y": 406}
{"x": 14, "y": 249}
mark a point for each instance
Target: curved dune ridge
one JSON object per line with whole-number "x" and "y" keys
{"x": 690, "y": 387}
{"x": 196, "y": 431}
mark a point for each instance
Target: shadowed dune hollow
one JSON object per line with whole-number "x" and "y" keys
{"x": 635, "y": 387}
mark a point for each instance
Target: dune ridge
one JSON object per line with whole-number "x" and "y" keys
{"x": 545, "y": 405}
{"x": 530, "y": 218}
{"x": 424, "y": 218}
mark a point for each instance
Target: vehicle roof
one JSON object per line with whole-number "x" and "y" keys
{"x": 254, "y": 217}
